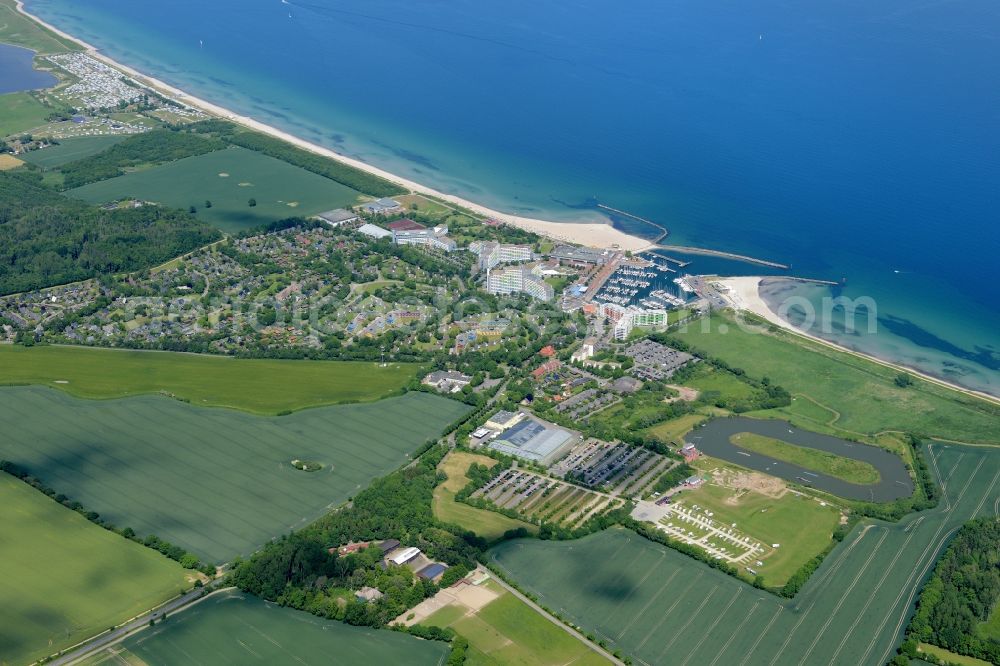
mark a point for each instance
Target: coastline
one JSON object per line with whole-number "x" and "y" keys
{"x": 744, "y": 294}
{"x": 592, "y": 234}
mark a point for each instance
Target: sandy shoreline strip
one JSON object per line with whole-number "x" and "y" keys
{"x": 744, "y": 294}
{"x": 592, "y": 234}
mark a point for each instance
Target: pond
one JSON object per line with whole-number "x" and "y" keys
{"x": 713, "y": 439}
{"x": 17, "y": 72}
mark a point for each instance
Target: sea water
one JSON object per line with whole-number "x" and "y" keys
{"x": 856, "y": 141}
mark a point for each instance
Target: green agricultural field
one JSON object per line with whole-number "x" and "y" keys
{"x": 848, "y": 469}
{"x": 487, "y": 524}
{"x": 662, "y": 607}
{"x": 66, "y": 579}
{"x": 217, "y": 482}
{"x": 507, "y": 631}
{"x": 800, "y": 524}
{"x": 70, "y": 150}
{"x": 18, "y": 29}
{"x": 20, "y": 112}
{"x": 260, "y": 386}
{"x": 853, "y": 394}
{"x": 234, "y": 628}
{"x": 229, "y": 179}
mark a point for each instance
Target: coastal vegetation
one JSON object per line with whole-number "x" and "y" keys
{"x": 258, "y": 386}
{"x": 848, "y": 469}
{"x": 66, "y": 579}
{"x": 957, "y": 607}
{"x": 217, "y": 483}
{"x": 47, "y": 239}
{"x": 842, "y": 393}
{"x": 18, "y": 29}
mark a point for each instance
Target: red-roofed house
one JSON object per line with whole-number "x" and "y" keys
{"x": 548, "y": 351}
{"x": 546, "y": 368}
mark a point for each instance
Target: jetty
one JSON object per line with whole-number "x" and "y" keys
{"x": 720, "y": 253}
{"x": 663, "y": 230}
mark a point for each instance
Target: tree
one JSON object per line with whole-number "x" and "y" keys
{"x": 903, "y": 380}
{"x": 192, "y": 210}
{"x": 252, "y": 202}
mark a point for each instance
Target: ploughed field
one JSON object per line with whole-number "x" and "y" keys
{"x": 662, "y": 607}
{"x": 234, "y": 628}
{"x": 65, "y": 578}
{"x": 229, "y": 179}
{"x": 217, "y": 482}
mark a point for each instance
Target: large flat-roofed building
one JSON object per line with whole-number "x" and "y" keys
{"x": 519, "y": 279}
{"x": 374, "y": 231}
{"x": 383, "y": 206}
{"x": 404, "y": 556}
{"x": 504, "y": 419}
{"x": 581, "y": 255}
{"x": 492, "y": 254}
{"x": 409, "y": 232}
{"x": 338, "y": 216}
{"x": 535, "y": 441}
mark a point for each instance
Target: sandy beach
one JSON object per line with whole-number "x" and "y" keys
{"x": 592, "y": 234}
{"x": 744, "y": 294}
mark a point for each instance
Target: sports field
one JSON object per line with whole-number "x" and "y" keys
{"x": 488, "y": 524}
{"x": 508, "y": 631}
{"x": 234, "y": 628}
{"x": 218, "y": 482}
{"x": 69, "y": 150}
{"x": 229, "y": 179}
{"x": 662, "y": 607}
{"x": 65, "y": 579}
{"x": 839, "y": 390}
{"x": 260, "y": 386}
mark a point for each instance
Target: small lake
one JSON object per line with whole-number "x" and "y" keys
{"x": 17, "y": 72}
{"x": 714, "y": 439}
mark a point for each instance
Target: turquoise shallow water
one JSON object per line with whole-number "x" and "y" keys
{"x": 852, "y": 140}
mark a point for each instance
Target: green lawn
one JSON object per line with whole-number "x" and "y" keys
{"x": 260, "y": 386}
{"x": 675, "y": 429}
{"x": 856, "y": 395}
{"x": 17, "y": 29}
{"x": 487, "y": 524}
{"x": 70, "y": 150}
{"x": 950, "y": 657}
{"x": 991, "y": 628}
{"x": 848, "y": 469}
{"x": 800, "y": 524}
{"x": 508, "y": 631}
{"x": 20, "y": 112}
{"x": 66, "y": 579}
{"x": 708, "y": 379}
{"x": 234, "y": 628}
{"x": 229, "y": 179}
{"x": 662, "y": 607}
{"x": 218, "y": 482}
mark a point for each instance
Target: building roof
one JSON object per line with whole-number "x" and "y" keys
{"x": 531, "y": 440}
{"x": 432, "y": 571}
{"x": 368, "y": 594}
{"x": 338, "y": 216}
{"x": 375, "y": 232}
{"x": 447, "y": 375}
{"x": 405, "y": 555}
{"x": 503, "y": 417}
{"x": 405, "y": 224}
{"x": 548, "y": 351}
{"x": 389, "y": 545}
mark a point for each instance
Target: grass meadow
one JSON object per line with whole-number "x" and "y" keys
{"x": 848, "y": 469}
{"x": 70, "y": 150}
{"x": 218, "y": 482}
{"x": 259, "y": 386}
{"x": 487, "y": 524}
{"x": 17, "y": 29}
{"x": 834, "y": 390}
{"x": 662, "y": 607}
{"x": 20, "y": 112}
{"x": 230, "y": 627}
{"x": 229, "y": 179}
{"x": 66, "y": 579}
{"x": 508, "y": 631}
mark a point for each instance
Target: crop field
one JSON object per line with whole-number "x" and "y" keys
{"x": 218, "y": 482}
{"x": 229, "y": 179}
{"x": 69, "y": 150}
{"x": 487, "y": 524}
{"x": 662, "y": 607}
{"x": 65, "y": 579}
{"x": 234, "y": 628}
{"x": 20, "y": 112}
{"x": 508, "y": 631}
{"x": 842, "y": 391}
{"x": 260, "y": 386}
